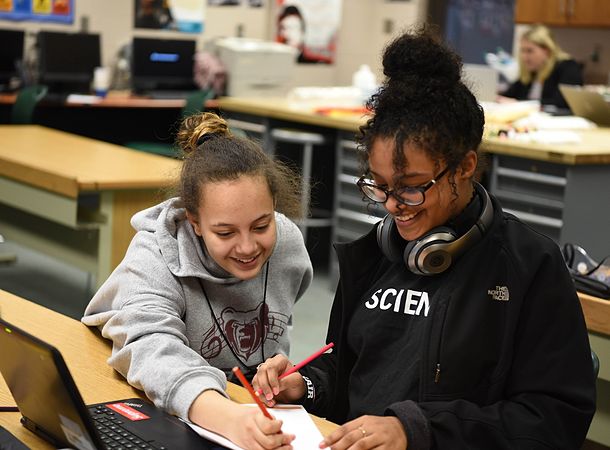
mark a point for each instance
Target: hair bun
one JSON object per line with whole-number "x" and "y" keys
{"x": 198, "y": 128}
{"x": 421, "y": 58}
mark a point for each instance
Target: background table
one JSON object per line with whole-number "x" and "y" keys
{"x": 72, "y": 197}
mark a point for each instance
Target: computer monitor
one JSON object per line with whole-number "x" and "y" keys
{"x": 67, "y": 60}
{"x": 162, "y": 64}
{"x": 11, "y": 55}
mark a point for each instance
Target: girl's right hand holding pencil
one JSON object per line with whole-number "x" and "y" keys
{"x": 288, "y": 389}
{"x": 245, "y": 426}
{"x": 252, "y": 430}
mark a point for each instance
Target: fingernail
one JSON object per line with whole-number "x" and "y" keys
{"x": 276, "y": 391}
{"x": 269, "y": 396}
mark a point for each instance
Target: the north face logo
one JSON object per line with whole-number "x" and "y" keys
{"x": 500, "y": 293}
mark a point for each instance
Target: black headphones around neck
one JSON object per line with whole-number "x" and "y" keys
{"x": 433, "y": 252}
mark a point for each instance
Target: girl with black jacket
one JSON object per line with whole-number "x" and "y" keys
{"x": 456, "y": 326}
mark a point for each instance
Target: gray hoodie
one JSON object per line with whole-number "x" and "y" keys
{"x": 155, "y": 307}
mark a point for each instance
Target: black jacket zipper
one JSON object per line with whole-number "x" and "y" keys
{"x": 437, "y": 370}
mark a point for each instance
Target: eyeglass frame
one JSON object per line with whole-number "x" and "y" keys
{"x": 396, "y": 192}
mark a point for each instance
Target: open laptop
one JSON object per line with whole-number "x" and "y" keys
{"x": 588, "y": 104}
{"x": 52, "y": 407}
{"x": 483, "y": 80}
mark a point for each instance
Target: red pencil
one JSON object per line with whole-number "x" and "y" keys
{"x": 306, "y": 361}
{"x": 249, "y": 388}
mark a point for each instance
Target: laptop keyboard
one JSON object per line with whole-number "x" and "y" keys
{"x": 112, "y": 433}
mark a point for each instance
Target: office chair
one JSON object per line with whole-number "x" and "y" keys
{"x": 194, "y": 104}
{"x": 27, "y": 98}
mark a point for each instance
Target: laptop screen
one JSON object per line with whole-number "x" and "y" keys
{"x": 588, "y": 104}
{"x": 159, "y": 64}
{"x": 33, "y": 372}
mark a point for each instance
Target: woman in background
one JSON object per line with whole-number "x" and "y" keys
{"x": 209, "y": 282}
{"x": 543, "y": 66}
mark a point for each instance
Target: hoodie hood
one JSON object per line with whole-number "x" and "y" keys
{"x": 182, "y": 250}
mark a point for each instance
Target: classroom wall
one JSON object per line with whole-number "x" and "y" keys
{"x": 367, "y": 25}
{"x": 113, "y": 19}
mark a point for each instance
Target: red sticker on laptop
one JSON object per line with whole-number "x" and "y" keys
{"x": 127, "y": 411}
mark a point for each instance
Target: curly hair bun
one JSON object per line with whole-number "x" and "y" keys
{"x": 197, "y": 128}
{"x": 421, "y": 58}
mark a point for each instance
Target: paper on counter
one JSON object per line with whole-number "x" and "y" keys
{"x": 548, "y": 137}
{"x": 295, "y": 420}
{"x": 83, "y": 99}
{"x": 541, "y": 121}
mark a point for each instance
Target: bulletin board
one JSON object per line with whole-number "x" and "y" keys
{"x": 58, "y": 11}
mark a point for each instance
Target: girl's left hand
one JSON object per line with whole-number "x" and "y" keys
{"x": 366, "y": 432}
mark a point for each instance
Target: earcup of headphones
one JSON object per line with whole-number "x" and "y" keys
{"x": 430, "y": 255}
{"x": 390, "y": 242}
{"x": 436, "y": 250}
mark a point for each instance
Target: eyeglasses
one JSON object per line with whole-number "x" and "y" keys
{"x": 407, "y": 195}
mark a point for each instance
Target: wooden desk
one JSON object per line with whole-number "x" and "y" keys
{"x": 118, "y": 118}
{"x": 116, "y": 100}
{"x": 85, "y": 352}
{"x": 72, "y": 197}
{"x": 594, "y": 147}
{"x": 597, "y": 316}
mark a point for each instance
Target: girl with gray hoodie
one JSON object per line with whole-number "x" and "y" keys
{"x": 208, "y": 283}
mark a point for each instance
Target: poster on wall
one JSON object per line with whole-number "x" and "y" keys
{"x": 60, "y": 11}
{"x": 311, "y": 26}
{"x": 174, "y": 15}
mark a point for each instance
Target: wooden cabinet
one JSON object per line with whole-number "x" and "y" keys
{"x": 585, "y": 13}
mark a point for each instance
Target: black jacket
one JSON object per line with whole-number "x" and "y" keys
{"x": 506, "y": 362}
{"x": 564, "y": 72}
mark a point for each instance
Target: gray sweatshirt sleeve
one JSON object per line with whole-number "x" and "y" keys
{"x": 141, "y": 311}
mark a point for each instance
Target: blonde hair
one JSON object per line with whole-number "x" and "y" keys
{"x": 542, "y": 37}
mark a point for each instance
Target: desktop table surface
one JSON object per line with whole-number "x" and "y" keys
{"x": 67, "y": 164}
{"x": 85, "y": 352}
{"x": 594, "y": 147}
{"x": 114, "y": 99}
